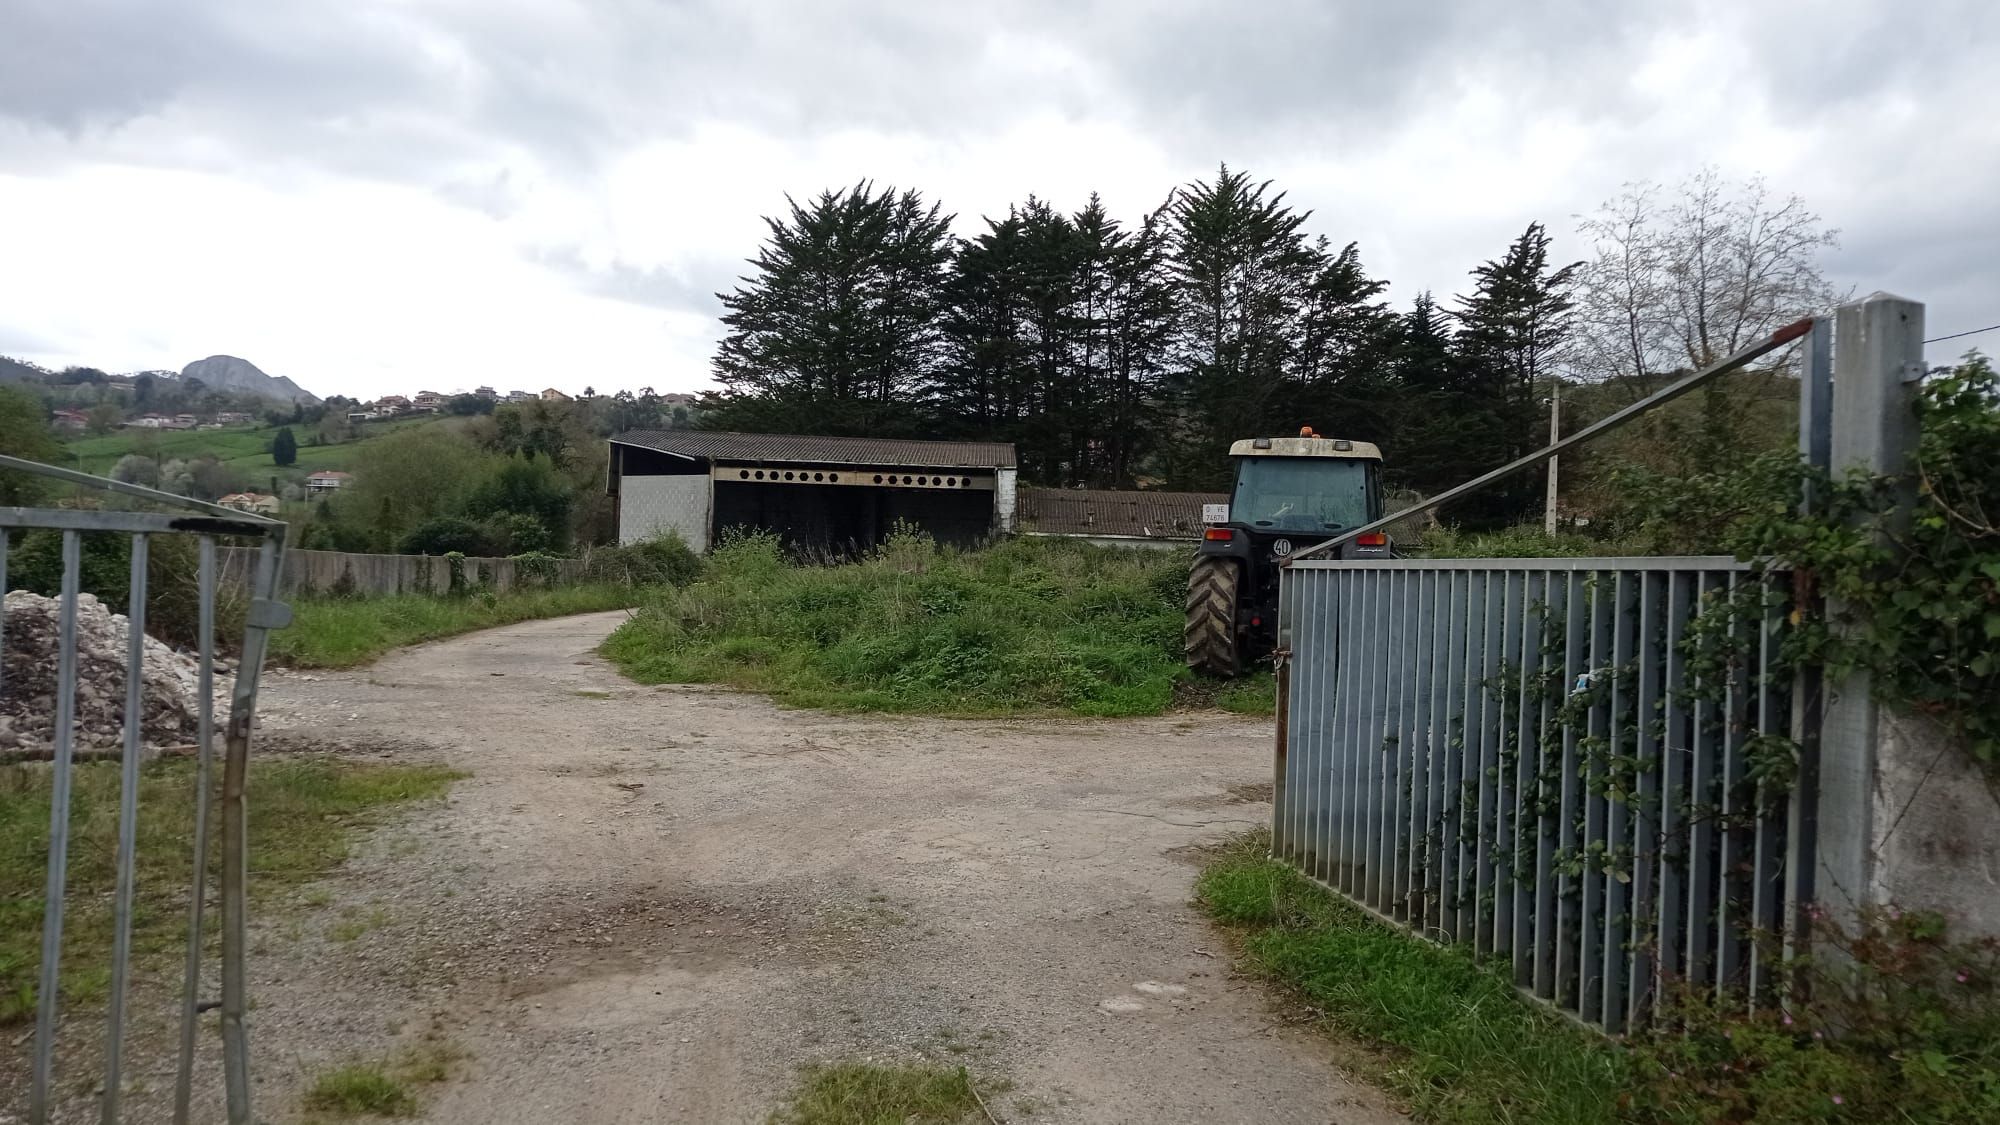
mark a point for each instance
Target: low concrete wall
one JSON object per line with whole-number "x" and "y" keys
{"x": 320, "y": 571}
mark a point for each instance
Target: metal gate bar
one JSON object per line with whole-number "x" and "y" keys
{"x": 203, "y": 521}
{"x": 1550, "y": 761}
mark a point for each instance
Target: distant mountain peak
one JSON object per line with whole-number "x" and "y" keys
{"x": 228, "y": 373}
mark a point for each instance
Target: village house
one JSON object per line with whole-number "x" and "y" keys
{"x": 428, "y": 400}
{"x": 520, "y": 396}
{"x": 327, "y": 480}
{"x": 69, "y": 421}
{"x": 487, "y": 392}
{"x": 259, "y": 502}
{"x": 553, "y": 395}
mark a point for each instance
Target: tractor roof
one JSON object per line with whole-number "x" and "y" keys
{"x": 1305, "y": 447}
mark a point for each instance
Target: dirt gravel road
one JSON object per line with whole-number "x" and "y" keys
{"x": 655, "y": 905}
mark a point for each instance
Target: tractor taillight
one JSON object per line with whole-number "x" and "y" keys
{"x": 1219, "y": 534}
{"x": 1372, "y": 539}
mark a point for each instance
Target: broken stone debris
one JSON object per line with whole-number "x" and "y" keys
{"x": 28, "y": 665}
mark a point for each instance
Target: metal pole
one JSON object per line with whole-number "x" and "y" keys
{"x": 1555, "y": 462}
{"x": 203, "y": 784}
{"x": 266, "y": 613}
{"x": 1874, "y": 429}
{"x": 1666, "y": 395}
{"x": 52, "y": 901}
{"x": 1808, "y": 683}
{"x": 128, "y": 831}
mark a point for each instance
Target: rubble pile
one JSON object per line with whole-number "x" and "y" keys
{"x": 32, "y": 625}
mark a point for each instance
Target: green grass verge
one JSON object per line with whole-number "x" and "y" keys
{"x": 342, "y": 633}
{"x": 303, "y": 812}
{"x": 245, "y": 449}
{"x": 867, "y": 1094}
{"x": 1025, "y": 627}
{"x": 1462, "y": 1044}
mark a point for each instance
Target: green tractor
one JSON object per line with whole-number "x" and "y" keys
{"x": 1290, "y": 493}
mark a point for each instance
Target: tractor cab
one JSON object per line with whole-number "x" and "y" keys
{"x": 1290, "y": 493}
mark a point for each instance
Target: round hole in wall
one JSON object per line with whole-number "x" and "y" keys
{"x": 878, "y": 478}
{"x": 922, "y": 480}
{"x": 834, "y": 477}
{"x": 966, "y": 483}
{"x": 951, "y": 482}
{"x": 744, "y": 473}
{"x": 760, "y": 474}
{"x": 819, "y": 476}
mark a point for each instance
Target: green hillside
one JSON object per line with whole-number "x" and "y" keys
{"x": 246, "y": 450}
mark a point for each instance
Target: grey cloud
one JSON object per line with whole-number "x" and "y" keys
{"x": 683, "y": 290}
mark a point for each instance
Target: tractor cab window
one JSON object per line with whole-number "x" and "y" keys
{"x": 1301, "y": 493}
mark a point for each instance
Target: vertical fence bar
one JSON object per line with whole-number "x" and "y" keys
{"x": 1767, "y": 868}
{"x": 1344, "y": 810}
{"x": 1643, "y": 938}
{"x": 1451, "y": 849}
{"x": 1410, "y": 622}
{"x": 1415, "y": 783}
{"x": 204, "y": 764}
{"x": 1621, "y": 718}
{"x": 58, "y": 868}
{"x": 1603, "y": 601}
{"x": 1731, "y": 915}
{"x": 1499, "y": 775}
{"x": 1549, "y": 784}
{"x": 1436, "y": 747}
{"x": 1569, "y": 890}
{"x": 1705, "y": 801}
{"x": 1327, "y": 659}
{"x": 1381, "y": 686}
{"x": 128, "y": 832}
{"x": 1523, "y": 855}
{"x": 1468, "y": 757}
{"x": 1676, "y": 748}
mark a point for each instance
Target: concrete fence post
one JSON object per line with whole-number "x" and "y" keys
{"x": 1878, "y": 360}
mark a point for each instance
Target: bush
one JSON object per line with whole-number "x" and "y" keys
{"x": 1902, "y": 1025}
{"x": 445, "y": 534}
{"x": 664, "y": 560}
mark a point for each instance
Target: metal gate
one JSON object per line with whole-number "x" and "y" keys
{"x": 1580, "y": 766}
{"x": 105, "y": 512}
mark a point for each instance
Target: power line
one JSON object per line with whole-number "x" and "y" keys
{"x": 1956, "y": 335}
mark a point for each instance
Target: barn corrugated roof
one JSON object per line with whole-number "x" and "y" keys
{"x": 718, "y": 445}
{"x": 1146, "y": 515}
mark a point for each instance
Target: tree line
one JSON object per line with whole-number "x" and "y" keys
{"x": 1115, "y": 354}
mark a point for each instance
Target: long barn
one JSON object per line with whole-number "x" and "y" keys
{"x": 829, "y": 493}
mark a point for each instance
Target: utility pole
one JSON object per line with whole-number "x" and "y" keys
{"x": 1555, "y": 435}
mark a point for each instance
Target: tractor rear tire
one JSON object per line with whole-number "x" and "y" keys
{"x": 1212, "y": 641}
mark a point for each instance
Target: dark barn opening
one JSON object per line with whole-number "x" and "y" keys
{"x": 819, "y": 496}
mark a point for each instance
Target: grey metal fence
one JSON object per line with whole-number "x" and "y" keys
{"x": 105, "y": 514}
{"x": 1580, "y": 766}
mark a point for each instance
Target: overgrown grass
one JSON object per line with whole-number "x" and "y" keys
{"x": 341, "y": 633}
{"x": 1025, "y": 627}
{"x": 385, "y": 1088}
{"x": 302, "y": 814}
{"x": 1525, "y": 541}
{"x": 867, "y": 1094}
{"x": 1463, "y": 1045}
{"x": 361, "y": 1088}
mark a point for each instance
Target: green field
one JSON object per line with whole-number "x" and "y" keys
{"x": 244, "y": 449}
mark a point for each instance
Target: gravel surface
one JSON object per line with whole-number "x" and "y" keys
{"x": 655, "y": 905}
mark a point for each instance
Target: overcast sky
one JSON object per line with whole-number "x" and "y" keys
{"x": 387, "y": 195}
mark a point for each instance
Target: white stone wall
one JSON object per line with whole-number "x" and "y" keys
{"x": 649, "y": 506}
{"x": 1005, "y": 494}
